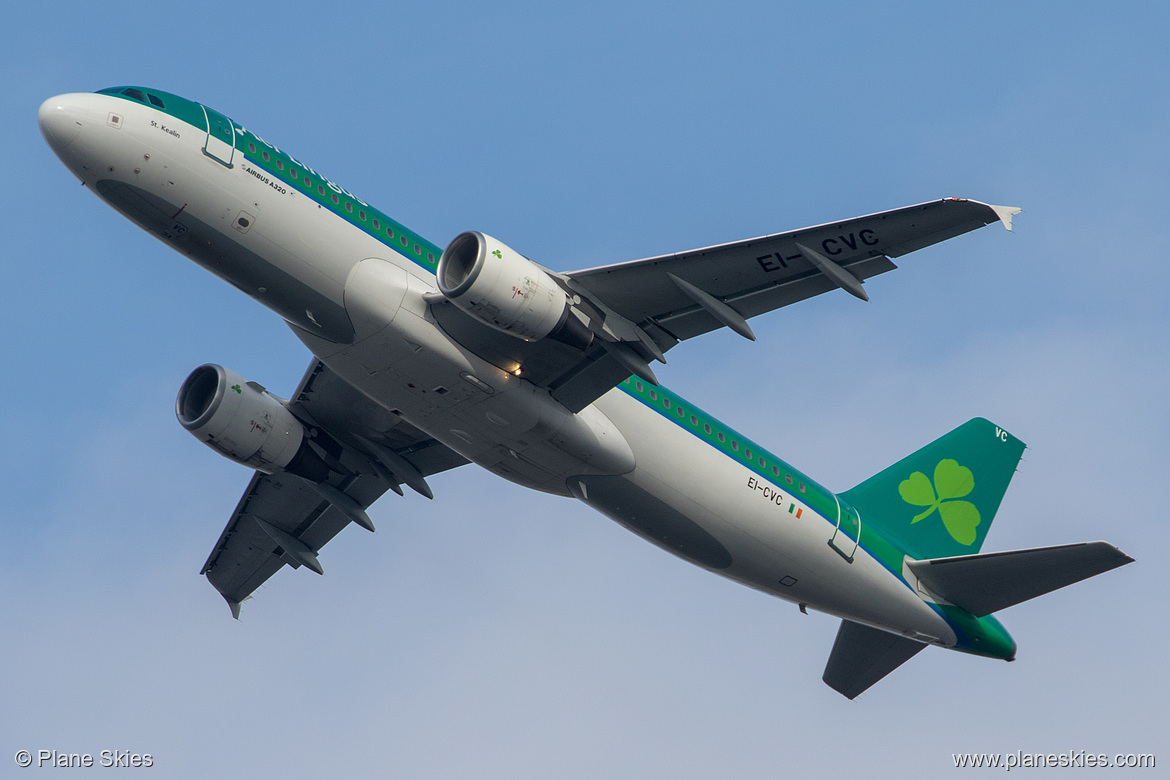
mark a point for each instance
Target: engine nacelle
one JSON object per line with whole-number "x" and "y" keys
{"x": 504, "y": 289}
{"x": 244, "y": 422}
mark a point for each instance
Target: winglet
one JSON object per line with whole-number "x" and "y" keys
{"x": 234, "y": 606}
{"x": 1005, "y": 214}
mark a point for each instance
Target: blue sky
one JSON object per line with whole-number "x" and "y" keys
{"x": 500, "y": 633}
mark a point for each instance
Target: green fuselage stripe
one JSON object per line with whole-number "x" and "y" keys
{"x": 968, "y": 629}
{"x": 301, "y": 178}
{"x": 341, "y": 202}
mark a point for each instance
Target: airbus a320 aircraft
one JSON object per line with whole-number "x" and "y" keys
{"x": 426, "y": 359}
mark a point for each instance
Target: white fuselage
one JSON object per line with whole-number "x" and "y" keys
{"x": 361, "y": 305}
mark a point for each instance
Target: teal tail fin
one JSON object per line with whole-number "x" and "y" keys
{"x": 940, "y": 501}
{"x": 936, "y": 506}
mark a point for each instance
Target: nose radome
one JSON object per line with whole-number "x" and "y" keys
{"x": 61, "y": 120}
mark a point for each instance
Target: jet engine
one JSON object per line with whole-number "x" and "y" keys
{"x": 505, "y": 290}
{"x": 244, "y": 422}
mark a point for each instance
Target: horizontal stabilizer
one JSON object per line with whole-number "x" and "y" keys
{"x": 982, "y": 584}
{"x": 862, "y": 655}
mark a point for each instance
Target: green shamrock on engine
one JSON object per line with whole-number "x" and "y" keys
{"x": 951, "y": 482}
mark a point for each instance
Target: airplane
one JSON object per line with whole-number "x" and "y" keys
{"x": 427, "y": 358}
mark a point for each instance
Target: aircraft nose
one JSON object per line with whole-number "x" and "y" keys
{"x": 61, "y": 120}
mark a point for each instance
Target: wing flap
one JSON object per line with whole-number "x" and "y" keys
{"x": 692, "y": 321}
{"x": 246, "y": 556}
{"x": 305, "y": 516}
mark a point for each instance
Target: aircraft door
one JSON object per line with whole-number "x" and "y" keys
{"x": 847, "y": 535}
{"x": 221, "y": 137}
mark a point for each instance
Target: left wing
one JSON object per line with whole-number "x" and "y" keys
{"x": 285, "y": 519}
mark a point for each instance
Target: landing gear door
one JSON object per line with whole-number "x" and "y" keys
{"x": 221, "y": 137}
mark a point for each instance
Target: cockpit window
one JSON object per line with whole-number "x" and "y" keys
{"x": 134, "y": 93}
{"x": 156, "y": 101}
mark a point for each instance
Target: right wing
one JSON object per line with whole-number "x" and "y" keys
{"x": 642, "y": 309}
{"x": 759, "y": 275}
{"x": 284, "y": 519}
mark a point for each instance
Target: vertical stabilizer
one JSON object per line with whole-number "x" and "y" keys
{"x": 940, "y": 501}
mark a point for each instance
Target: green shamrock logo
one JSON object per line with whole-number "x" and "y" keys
{"x": 951, "y": 482}
{"x": 497, "y": 253}
{"x": 238, "y": 389}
